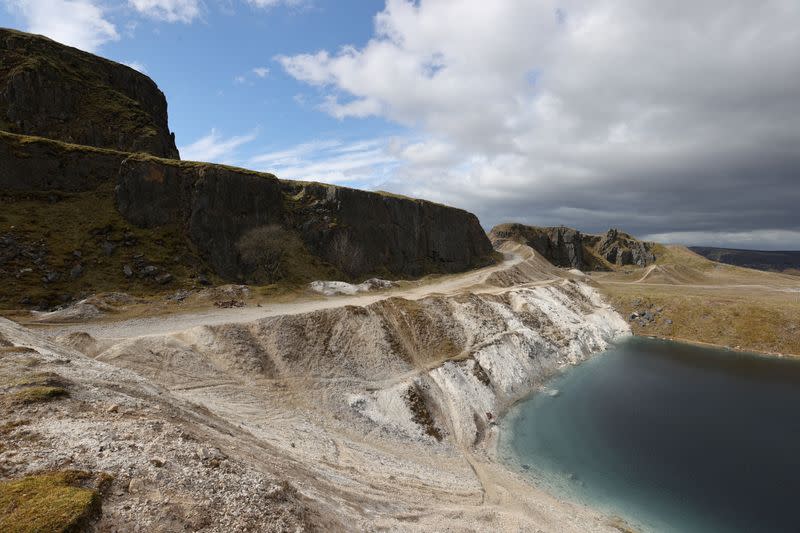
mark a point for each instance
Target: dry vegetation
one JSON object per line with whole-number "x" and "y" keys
{"x": 694, "y": 299}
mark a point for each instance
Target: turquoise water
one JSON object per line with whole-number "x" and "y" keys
{"x": 669, "y": 436}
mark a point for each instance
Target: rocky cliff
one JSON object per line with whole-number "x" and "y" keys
{"x": 361, "y": 231}
{"x": 560, "y": 245}
{"x": 55, "y": 91}
{"x": 619, "y": 248}
{"x": 358, "y": 232}
{"x": 96, "y": 219}
{"x": 569, "y": 248}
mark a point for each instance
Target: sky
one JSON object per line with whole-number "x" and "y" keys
{"x": 675, "y": 121}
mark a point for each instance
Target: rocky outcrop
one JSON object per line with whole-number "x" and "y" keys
{"x": 36, "y": 164}
{"x": 358, "y": 232}
{"x": 569, "y": 248}
{"x": 362, "y": 232}
{"x": 621, "y": 249}
{"x": 339, "y": 231}
{"x": 560, "y": 245}
{"x": 214, "y": 204}
{"x": 55, "y": 91}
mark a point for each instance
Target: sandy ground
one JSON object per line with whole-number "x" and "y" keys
{"x": 377, "y": 409}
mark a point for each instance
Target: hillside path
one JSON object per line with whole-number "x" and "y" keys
{"x": 473, "y": 281}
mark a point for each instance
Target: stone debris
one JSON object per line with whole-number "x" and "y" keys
{"x": 334, "y": 288}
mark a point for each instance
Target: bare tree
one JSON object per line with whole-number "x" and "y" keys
{"x": 267, "y": 252}
{"x": 346, "y": 254}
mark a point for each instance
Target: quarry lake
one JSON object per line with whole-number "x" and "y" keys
{"x": 669, "y": 436}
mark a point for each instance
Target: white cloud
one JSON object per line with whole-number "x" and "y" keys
{"x": 135, "y": 65}
{"x": 215, "y": 148}
{"x": 273, "y": 3}
{"x": 184, "y": 11}
{"x": 78, "y": 23}
{"x": 657, "y": 116}
{"x": 239, "y": 80}
{"x": 261, "y": 72}
{"x": 360, "y": 163}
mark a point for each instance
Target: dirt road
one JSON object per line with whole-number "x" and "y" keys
{"x": 474, "y": 281}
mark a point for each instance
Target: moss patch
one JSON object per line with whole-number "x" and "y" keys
{"x": 30, "y": 395}
{"x": 51, "y": 502}
{"x": 31, "y": 388}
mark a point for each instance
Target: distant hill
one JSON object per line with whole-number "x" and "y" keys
{"x": 757, "y": 259}
{"x": 59, "y": 92}
{"x": 569, "y": 248}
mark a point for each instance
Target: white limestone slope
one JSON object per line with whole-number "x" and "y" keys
{"x": 525, "y": 336}
{"x": 387, "y": 400}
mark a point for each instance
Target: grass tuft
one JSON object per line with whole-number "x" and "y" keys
{"x": 31, "y": 395}
{"x": 51, "y": 502}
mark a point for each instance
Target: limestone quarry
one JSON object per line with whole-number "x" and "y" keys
{"x": 362, "y": 412}
{"x": 189, "y": 346}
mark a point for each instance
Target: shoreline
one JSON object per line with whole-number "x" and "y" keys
{"x": 535, "y": 479}
{"x": 776, "y": 355}
{"x": 492, "y": 451}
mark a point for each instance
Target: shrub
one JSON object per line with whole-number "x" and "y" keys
{"x": 268, "y": 253}
{"x": 346, "y": 254}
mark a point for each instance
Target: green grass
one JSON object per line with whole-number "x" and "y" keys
{"x": 29, "y": 395}
{"x": 82, "y": 222}
{"x": 47, "y": 503}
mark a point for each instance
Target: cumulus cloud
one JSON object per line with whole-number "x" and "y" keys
{"x": 665, "y": 117}
{"x": 168, "y": 10}
{"x": 79, "y": 23}
{"x": 216, "y": 148}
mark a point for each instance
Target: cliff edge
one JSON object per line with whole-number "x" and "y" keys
{"x": 76, "y": 220}
{"x": 59, "y": 92}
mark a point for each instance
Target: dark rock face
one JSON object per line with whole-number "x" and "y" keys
{"x": 356, "y": 231}
{"x": 560, "y": 245}
{"x": 215, "y": 205}
{"x": 55, "y": 91}
{"x": 365, "y": 232}
{"x": 621, "y": 249}
{"x": 29, "y": 164}
{"x": 569, "y": 248}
